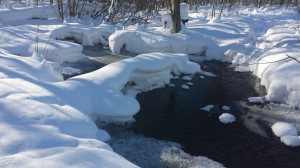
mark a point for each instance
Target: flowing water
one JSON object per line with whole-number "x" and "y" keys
{"x": 173, "y": 114}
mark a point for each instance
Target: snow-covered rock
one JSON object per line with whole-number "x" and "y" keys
{"x": 227, "y": 118}
{"x": 186, "y": 78}
{"x": 189, "y": 84}
{"x": 226, "y": 108}
{"x": 281, "y": 129}
{"x": 185, "y": 87}
{"x": 207, "y": 107}
{"x": 292, "y": 141}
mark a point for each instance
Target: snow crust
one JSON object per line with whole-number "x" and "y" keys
{"x": 227, "y": 118}
{"x": 281, "y": 129}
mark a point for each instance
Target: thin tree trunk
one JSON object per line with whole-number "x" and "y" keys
{"x": 175, "y": 12}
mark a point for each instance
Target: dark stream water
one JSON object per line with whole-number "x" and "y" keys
{"x": 173, "y": 114}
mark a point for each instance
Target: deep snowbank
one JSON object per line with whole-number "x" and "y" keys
{"x": 187, "y": 42}
{"x": 45, "y": 123}
{"x": 20, "y": 14}
{"x": 86, "y": 36}
{"x": 102, "y": 88}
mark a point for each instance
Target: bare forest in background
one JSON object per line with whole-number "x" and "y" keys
{"x": 140, "y": 11}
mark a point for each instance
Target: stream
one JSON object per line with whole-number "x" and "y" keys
{"x": 173, "y": 114}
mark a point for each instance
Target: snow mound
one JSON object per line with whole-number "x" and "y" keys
{"x": 185, "y": 87}
{"x": 292, "y": 141}
{"x": 86, "y": 36}
{"x": 142, "y": 73}
{"x": 17, "y": 14}
{"x": 186, "y": 78}
{"x": 207, "y": 108}
{"x": 227, "y": 118}
{"x": 255, "y": 100}
{"x": 226, "y": 108}
{"x": 281, "y": 129}
{"x": 187, "y": 42}
{"x": 173, "y": 157}
{"x": 58, "y": 51}
{"x": 52, "y": 123}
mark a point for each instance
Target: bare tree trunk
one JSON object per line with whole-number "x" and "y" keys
{"x": 175, "y": 12}
{"x": 60, "y": 9}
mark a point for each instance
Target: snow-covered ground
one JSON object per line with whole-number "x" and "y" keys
{"x": 45, "y": 121}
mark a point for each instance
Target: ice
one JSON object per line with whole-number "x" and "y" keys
{"x": 185, "y": 87}
{"x": 207, "y": 108}
{"x": 186, "y": 78}
{"x": 173, "y": 157}
{"x": 226, "y": 108}
{"x": 227, "y": 118}
{"x": 255, "y": 100}
{"x": 281, "y": 129}
{"x": 292, "y": 141}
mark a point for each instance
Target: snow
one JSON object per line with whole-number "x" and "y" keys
{"x": 208, "y": 74}
{"x": 186, "y": 78}
{"x": 45, "y": 121}
{"x": 207, "y": 108}
{"x": 292, "y": 141}
{"x": 185, "y": 86}
{"x": 86, "y": 36}
{"x": 20, "y": 14}
{"x": 281, "y": 129}
{"x": 184, "y": 11}
{"x": 153, "y": 40}
{"x": 255, "y": 100}
{"x": 171, "y": 85}
{"x": 226, "y": 108}
{"x": 227, "y": 118}
{"x": 69, "y": 71}
{"x": 189, "y": 83}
